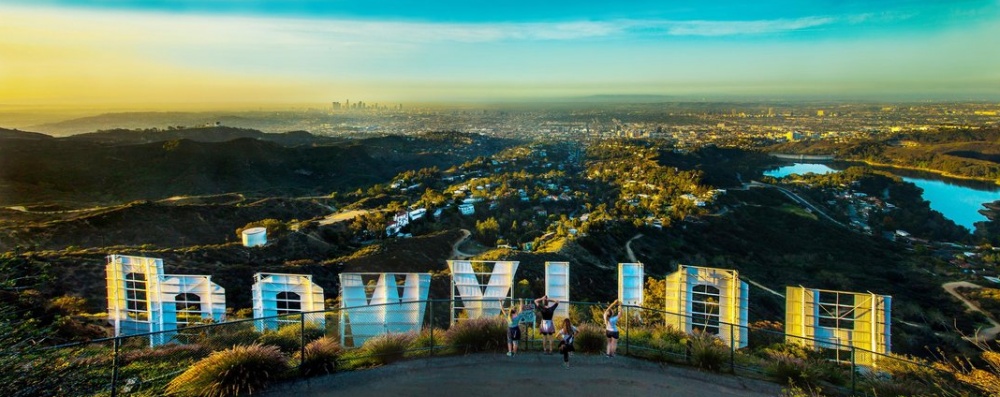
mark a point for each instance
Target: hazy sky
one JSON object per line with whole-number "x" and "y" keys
{"x": 116, "y": 52}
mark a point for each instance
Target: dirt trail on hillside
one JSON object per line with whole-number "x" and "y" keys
{"x": 628, "y": 248}
{"x": 983, "y": 335}
{"x": 342, "y": 216}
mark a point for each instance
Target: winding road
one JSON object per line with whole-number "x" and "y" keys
{"x": 628, "y": 248}
{"x": 983, "y": 335}
{"x": 455, "y": 253}
{"x": 801, "y": 201}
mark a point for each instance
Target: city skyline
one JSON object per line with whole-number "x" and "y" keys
{"x": 113, "y": 54}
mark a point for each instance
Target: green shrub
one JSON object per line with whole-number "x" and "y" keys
{"x": 239, "y": 370}
{"x": 225, "y": 336}
{"x": 892, "y": 387}
{"x": 170, "y": 352}
{"x": 641, "y": 336}
{"x": 387, "y": 348}
{"x": 288, "y": 338}
{"x": 479, "y": 334}
{"x": 765, "y": 333}
{"x": 321, "y": 357}
{"x": 582, "y": 314}
{"x": 670, "y": 335}
{"x": 421, "y": 345}
{"x": 589, "y": 339}
{"x": 787, "y": 367}
{"x": 708, "y": 352}
{"x": 796, "y": 391}
{"x": 906, "y": 368}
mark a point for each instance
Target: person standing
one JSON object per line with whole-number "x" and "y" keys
{"x": 513, "y": 317}
{"x": 547, "y": 308}
{"x": 566, "y": 334}
{"x": 611, "y": 326}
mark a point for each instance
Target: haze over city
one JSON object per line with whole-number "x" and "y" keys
{"x": 193, "y": 54}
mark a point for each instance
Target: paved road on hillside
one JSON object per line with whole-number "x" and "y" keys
{"x": 528, "y": 374}
{"x": 801, "y": 201}
{"x": 455, "y": 252}
{"x": 628, "y": 248}
{"x": 983, "y": 335}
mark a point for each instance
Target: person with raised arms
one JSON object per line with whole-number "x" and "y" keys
{"x": 611, "y": 326}
{"x": 547, "y": 308}
{"x": 513, "y": 317}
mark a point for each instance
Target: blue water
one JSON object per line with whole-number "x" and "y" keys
{"x": 957, "y": 200}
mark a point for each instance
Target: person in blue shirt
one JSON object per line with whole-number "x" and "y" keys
{"x": 611, "y": 326}
{"x": 513, "y": 317}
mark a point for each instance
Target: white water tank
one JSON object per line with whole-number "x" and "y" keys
{"x": 254, "y": 236}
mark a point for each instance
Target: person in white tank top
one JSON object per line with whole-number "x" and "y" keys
{"x": 611, "y": 326}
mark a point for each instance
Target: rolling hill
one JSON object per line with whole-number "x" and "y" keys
{"x": 100, "y": 169}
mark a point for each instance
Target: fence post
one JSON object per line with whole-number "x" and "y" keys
{"x": 431, "y": 303}
{"x": 732, "y": 348}
{"x": 114, "y": 369}
{"x": 854, "y": 370}
{"x": 302, "y": 342}
{"x": 628, "y": 323}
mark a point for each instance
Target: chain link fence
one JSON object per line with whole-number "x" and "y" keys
{"x": 348, "y": 338}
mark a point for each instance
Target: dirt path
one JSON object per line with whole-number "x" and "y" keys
{"x": 528, "y": 374}
{"x": 342, "y": 216}
{"x": 983, "y": 335}
{"x": 628, "y": 248}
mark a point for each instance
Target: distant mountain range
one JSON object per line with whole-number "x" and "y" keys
{"x": 265, "y": 121}
{"x": 199, "y": 134}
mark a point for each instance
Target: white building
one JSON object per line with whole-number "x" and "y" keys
{"x": 708, "y": 300}
{"x": 279, "y": 298}
{"x": 467, "y": 209}
{"x": 141, "y": 299}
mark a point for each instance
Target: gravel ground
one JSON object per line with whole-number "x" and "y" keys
{"x": 524, "y": 375}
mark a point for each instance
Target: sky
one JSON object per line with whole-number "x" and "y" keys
{"x": 201, "y": 52}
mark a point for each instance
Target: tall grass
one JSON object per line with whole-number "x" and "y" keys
{"x": 478, "y": 335}
{"x": 708, "y": 352}
{"x": 224, "y": 336}
{"x": 321, "y": 357}
{"x": 422, "y": 343}
{"x": 589, "y": 339}
{"x": 387, "y": 348}
{"x": 239, "y": 370}
{"x": 289, "y": 338}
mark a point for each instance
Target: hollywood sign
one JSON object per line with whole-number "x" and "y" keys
{"x": 144, "y": 300}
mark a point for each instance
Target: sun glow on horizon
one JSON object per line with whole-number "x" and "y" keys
{"x": 70, "y": 55}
